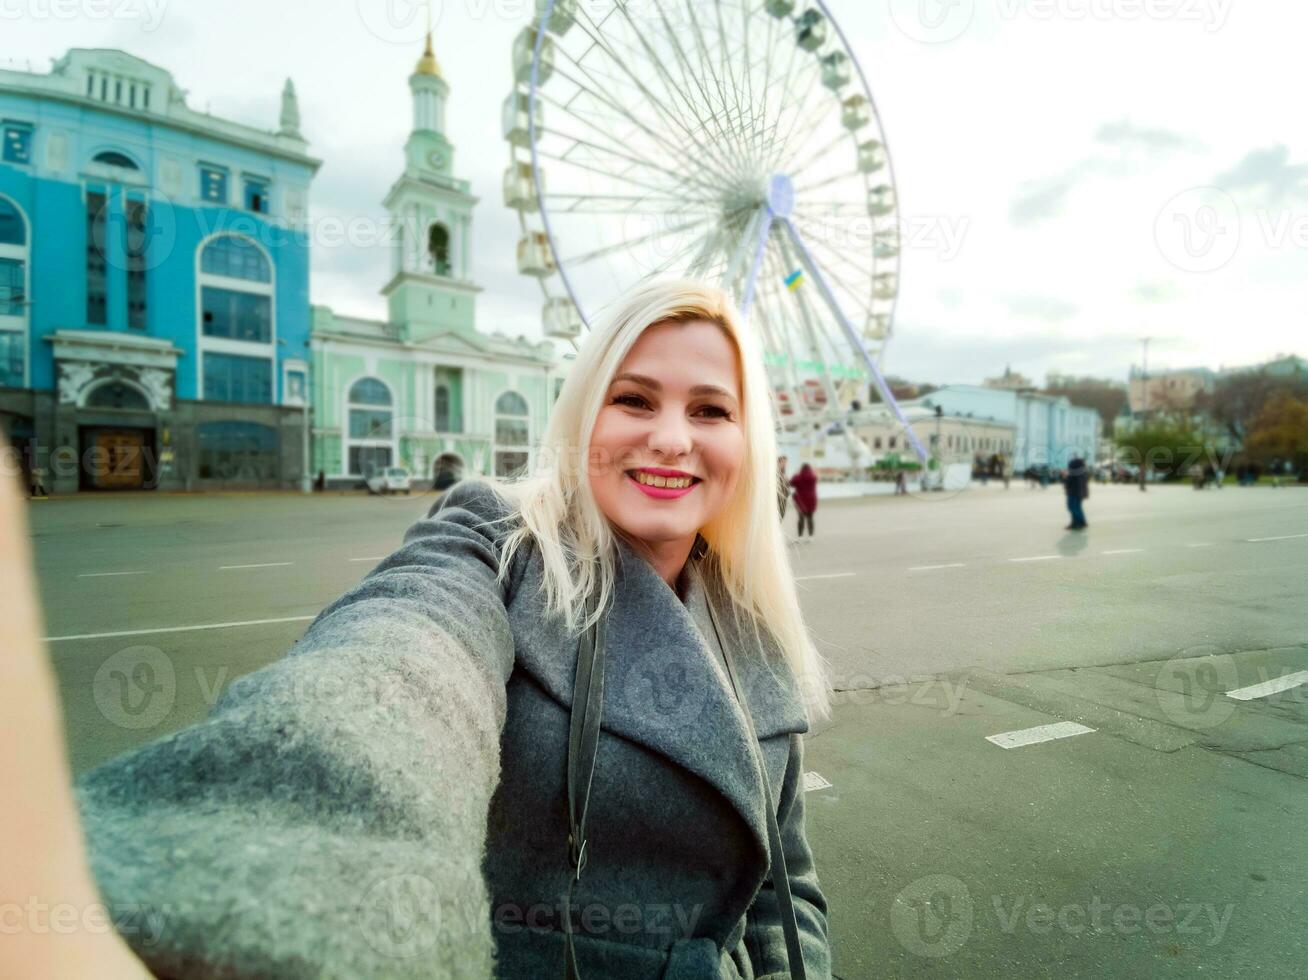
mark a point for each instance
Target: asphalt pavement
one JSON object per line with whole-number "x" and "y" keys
{"x": 1054, "y": 753}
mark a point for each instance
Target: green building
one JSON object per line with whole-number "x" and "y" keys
{"x": 425, "y": 382}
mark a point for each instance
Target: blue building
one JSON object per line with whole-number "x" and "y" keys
{"x": 154, "y": 282}
{"x": 1048, "y": 429}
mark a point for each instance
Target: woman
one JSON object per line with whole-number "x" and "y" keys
{"x": 390, "y": 798}
{"x": 806, "y": 500}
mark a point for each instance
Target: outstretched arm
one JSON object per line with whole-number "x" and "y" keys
{"x": 44, "y": 877}
{"x": 328, "y": 818}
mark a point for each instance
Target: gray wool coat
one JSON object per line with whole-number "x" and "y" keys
{"x": 388, "y": 799}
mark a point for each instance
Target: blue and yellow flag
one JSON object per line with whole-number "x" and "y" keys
{"x": 795, "y": 280}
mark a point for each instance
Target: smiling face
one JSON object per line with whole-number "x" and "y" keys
{"x": 669, "y": 441}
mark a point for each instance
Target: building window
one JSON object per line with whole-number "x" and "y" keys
{"x": 438, "y": 248}
{"x": 256, "y": 196}
{"x": 97, "y": 263}
{"x": 295, "y": 388}
{"x": 112, "y": 158}
{"x": 892, "y": 442}
{"x": 116, "y": 394}
{"x": 231, "y": 315}
{"x": 17, "y": 143}
{"x": 213, "y": 185}
{"x": 512, "y": 435}
{"x": 241, "y": 451}
{"x": 13, "y": 356}
{"x": 12, "y": 229}
{"x": 370, "y": 430}
{"x": 13, "y": 287}
{"x": 233, "y": 378}
{"x": 235, "y": 258}
{"x": 137, "y": 240}
{"x": 442, "y": 408}
{"x": 876, "y": 443}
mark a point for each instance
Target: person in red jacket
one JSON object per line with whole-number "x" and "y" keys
{"x": 806, "y": 500}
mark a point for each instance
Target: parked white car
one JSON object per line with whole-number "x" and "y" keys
{"x": 388, "y": 479}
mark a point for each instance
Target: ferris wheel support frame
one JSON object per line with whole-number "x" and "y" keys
{"x": 776, "y": 210}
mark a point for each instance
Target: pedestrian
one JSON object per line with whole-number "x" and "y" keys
{"x": 1076, "y": 484}
{"x": 39, "y": 491}
{"x": 806, "y": 497}
{"x": 901, "y": 484}
{"x": 412, "y": 751}
{"x": 783, "y": 486}
{"x": 320, "y": 482}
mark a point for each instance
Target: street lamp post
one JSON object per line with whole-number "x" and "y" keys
{"x": 1144, "y": 402}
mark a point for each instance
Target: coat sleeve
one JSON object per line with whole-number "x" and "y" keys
{"x": 765, "y": 937}
{"x": 328, "y": 818}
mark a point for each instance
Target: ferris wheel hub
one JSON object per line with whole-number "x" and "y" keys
{"x": 781, "y": 196}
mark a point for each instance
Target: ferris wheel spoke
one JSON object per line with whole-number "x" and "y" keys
{"x": 659, "y": 138}
{"x": 784, "y": 90}
{"x": 812, "y": 121}
{"x": 848, "y": 209}
{"x": 618, "y": 154}
{"x": 799, "y": 168}
{"x": 678, "y": 256}
{"x": 630, "y": 243}
{"x": 827, "y": 182}
{"x": 603, "y": 172}
{"x": 626, "y": 204}
{"x": 727, "y": 83}
{"x": 681, "y": 125}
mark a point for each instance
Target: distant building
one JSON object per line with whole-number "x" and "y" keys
{"x": 950, "y": 437}
{"x": 1047, "y": 429}
{"x": 1010, "y": 380}
{"x": 154, "y": 307}
{"x": 1283, "y": 366}
{"x": 1168, "y": 390}
{"x": 425, "y": 384}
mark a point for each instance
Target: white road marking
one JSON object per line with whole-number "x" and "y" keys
{"x": 1279, "y": 537}
{"x": 805, "y": 578}
{"x": 267, "y": 564}
{"x": 1041, "y": 733}
{"x": 1274, "y": 686}
{"x": 815, "y": 780}
{"x": 378, "y": 558}
{"x": 178, "y": 629}
{"x": 1038, "y": 558}
{"x": 932, "y": 568}
{"x": 107, "y": 574}
{"x": 1123, "y": 551}
{"x": 1200, "y": 544}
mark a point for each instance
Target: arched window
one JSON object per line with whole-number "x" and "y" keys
{"x": 240, "y": 452}
{"x": 112, "y": 158}
{"x": 13, "y": 296}
{"x": 438, "y": 248}
{"x": 370, "y": 433}
{"x": 512, "y": 434}
{"x": 236, "y": 320}
{"x": 116, "y": 394}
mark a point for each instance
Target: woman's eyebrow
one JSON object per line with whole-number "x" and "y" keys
{"x": 654, "y": 385}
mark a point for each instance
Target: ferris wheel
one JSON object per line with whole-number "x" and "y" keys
{"x": 729, "y": 140}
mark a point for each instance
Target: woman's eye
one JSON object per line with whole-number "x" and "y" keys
{"x": 715, "y": 411}
{"x": 635, "y": 401}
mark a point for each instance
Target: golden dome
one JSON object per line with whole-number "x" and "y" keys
{"x": 427, "y": 63}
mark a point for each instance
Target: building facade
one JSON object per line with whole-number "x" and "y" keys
{"x": 424, "y": 384}
{"x": 154, "y": 272}
{"x": 1047, "y": 429}
{"x": 1168, "y": 390}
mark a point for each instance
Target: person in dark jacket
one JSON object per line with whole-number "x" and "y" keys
{"x": 806, "y": 500}
{"x": 1077, "y": 485}
{"x": 389, "y": 799}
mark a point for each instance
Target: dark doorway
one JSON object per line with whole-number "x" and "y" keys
{"x": 118, "y": 459}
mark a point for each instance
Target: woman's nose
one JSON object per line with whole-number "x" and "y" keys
{"x": 670, "y": 434}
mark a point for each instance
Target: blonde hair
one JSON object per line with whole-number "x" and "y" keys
{"x": 555, "y": 510}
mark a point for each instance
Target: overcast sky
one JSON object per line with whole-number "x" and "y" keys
{"x": 1073, "y": 174}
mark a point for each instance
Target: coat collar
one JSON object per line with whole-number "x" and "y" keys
{"x": 665, "y": 689}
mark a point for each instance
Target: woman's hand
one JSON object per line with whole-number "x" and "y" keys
{"x": 52, "y": 922}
